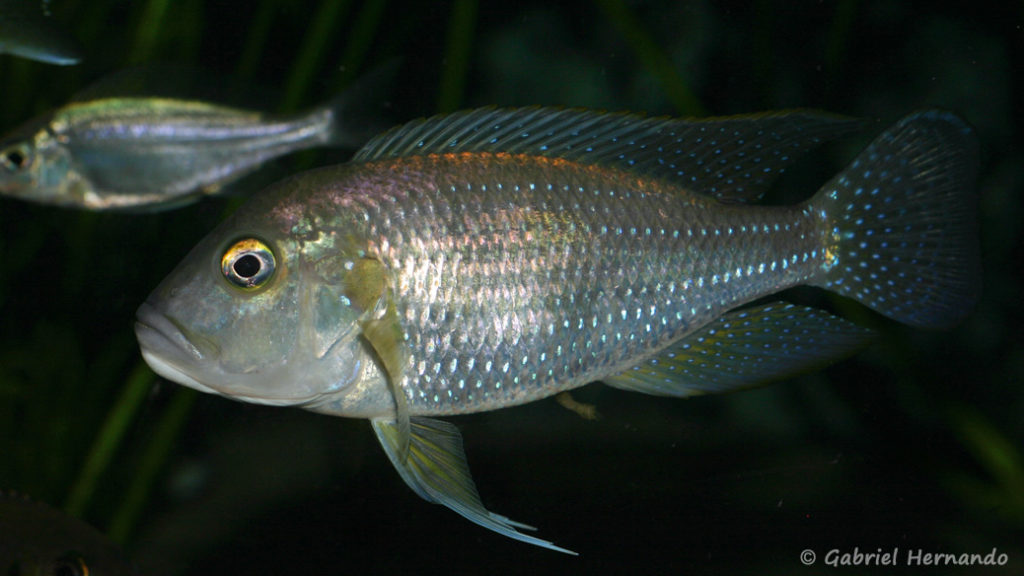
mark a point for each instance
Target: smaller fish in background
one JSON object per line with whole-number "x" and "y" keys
{"x": 150, "y": 153}
{"x": 36, "y": 539}
{"x": 26, "y": 30}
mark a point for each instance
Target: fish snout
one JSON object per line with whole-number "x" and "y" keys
{"x": 160, "y": 333}
{"x": 171, "y": 350}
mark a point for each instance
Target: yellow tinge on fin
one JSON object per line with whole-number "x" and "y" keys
{"x": 582, "y": 409}
{"x": 427, "y": 453}
{"x": 744, "y": 348}
{"x": 381, "y": 327}
{"x": 436, "y": 469}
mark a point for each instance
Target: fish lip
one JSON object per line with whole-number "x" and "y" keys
{"x": 166, "y": 347}
{"x": 154, "y": 328}
{"x": 159, "y": 337}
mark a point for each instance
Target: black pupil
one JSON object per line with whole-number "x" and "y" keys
{"x": 16, "y": 158}
{"x": 247, "y": 266}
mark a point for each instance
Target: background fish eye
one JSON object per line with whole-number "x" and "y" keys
{"x": 16, "y": 158}
{"x": 71, "y": 565}
{"x": 248, "y": 263}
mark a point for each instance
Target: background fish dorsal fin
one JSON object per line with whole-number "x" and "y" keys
{"x": 732, "y": 158}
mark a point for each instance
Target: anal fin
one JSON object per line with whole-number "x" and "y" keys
{"x": 435, "y": 468}
{"x": 746, "y": 348}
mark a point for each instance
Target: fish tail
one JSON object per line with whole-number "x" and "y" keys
{"x": 360, "y": 111}
{"x": 900, "y": 228}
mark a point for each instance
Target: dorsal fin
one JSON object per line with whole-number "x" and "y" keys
{"x": 733, "y": 158}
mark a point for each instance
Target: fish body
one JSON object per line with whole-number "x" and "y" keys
{"x": 38, "y": 540}
{"x": 151, "y": 153}
{"x": 495, "y": 257}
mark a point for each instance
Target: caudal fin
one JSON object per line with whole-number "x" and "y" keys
{"x": 361, "y": 111}
{"x": 903, "y": 237}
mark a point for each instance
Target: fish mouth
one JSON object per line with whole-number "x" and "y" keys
{"x": 178, "y": 355}
{"x": 167, "y": 348}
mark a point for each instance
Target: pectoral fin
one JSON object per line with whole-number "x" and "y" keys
{"x": 436, "y": 469}
{"x": 746, "y": 348}
{"x": 381, "y": 328}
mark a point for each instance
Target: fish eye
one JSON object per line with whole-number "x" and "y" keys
{"x": 248, "y": 264}
{"x": 16, "y": 158}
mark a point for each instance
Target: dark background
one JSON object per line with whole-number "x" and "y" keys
{"x": 914, "y": 443}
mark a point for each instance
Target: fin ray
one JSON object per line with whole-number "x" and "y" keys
{"x": 902, "y": 222}
{"x": 745, "y": 348}
{"x": 731, "y": 158}
{"x": 437, "y": 471}
{"x": 382, "y": 328}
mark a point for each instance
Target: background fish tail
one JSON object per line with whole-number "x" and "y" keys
{"x": 901, "y": 229}
{"x": 361, "y": 110}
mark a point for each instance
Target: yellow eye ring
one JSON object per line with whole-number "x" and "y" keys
{"x": 248, "y": 264}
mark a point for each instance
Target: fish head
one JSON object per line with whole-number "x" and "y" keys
{"x": 35, "y": 165}
{"x": 258, "y": 312}
{"x": 70, "y": 563}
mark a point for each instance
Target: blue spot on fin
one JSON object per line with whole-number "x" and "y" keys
{"x": 745, "y": 348}
{"x": 903, "y": 224}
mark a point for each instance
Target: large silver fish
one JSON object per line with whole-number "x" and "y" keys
{"x": 494, "y": 257}
{"x": 153, "y": 153}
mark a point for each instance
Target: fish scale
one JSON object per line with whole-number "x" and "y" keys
{"x": 513, "y": 288}
{"x": 487, "y": 258}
